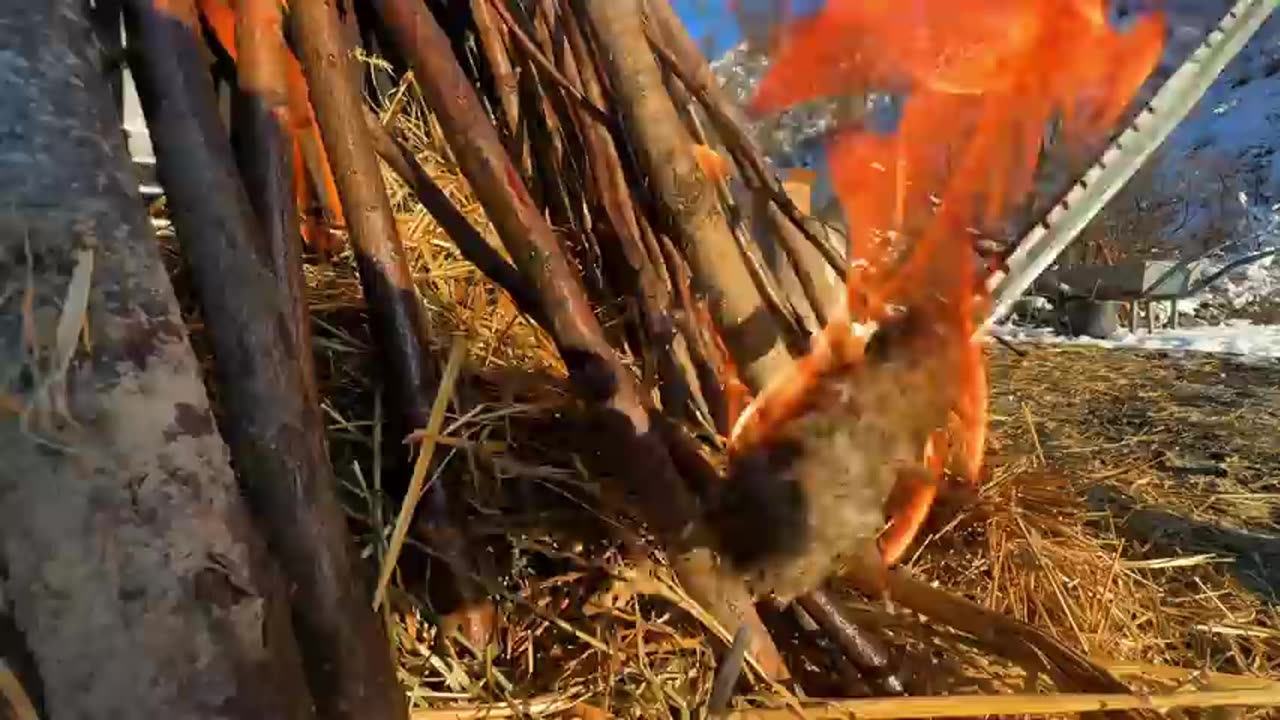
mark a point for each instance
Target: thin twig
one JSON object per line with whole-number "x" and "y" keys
{"x": 744, "y": 151}
{"x": 444, "y": 394}
{"x": 543, "y": 62}
{"x": 728, "y": 673}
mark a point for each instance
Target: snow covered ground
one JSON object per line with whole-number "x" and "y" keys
{"x": 1235, "y": 337}
{"x": 1240, "y": 289}
{"x": 1248, "y": 286}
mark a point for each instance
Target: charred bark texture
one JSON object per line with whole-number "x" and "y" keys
{"x": 265, "y": 157}
{"x": 275, "y": 431}
{"x": 105, "y": 16}
{"x": 465, "y": 236}
{"x": 131, "y": 564}
{"x": 596, "y": 371}
{"x": 394, "y": 306}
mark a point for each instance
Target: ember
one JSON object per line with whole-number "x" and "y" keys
{"x": 873, "y": 419}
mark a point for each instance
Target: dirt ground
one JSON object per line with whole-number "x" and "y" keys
{"x": 1182, "y": 449}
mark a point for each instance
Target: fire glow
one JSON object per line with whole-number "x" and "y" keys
{"x": 981, "y": 80}
{"x": 296, "y": 116}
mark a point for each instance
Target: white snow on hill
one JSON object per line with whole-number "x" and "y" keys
{"x": 1220, "y": 157}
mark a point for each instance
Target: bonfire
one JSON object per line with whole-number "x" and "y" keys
{"x": 512, "y": 386}
{"x": 982, "y": 83}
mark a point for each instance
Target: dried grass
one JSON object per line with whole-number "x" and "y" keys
{"x": 1087, "y": 529}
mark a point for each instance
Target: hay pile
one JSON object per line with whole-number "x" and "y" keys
{"x": 1131, "y": 514}
{"x": 531, "y": 492}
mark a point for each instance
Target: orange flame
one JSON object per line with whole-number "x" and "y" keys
{"x": 298, "y": 119}
{"x": 712, "y": 163}
{"x": 982, "y": 80}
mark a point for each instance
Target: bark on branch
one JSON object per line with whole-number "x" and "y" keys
{"x": 594, "y": 367}
{"x": 468, "y": 240}
{"x": 276, "y": 434}
{"x": 686, "y": 198}
{"x": 261, "y": 115}
{"x": 676, "y": 49}
{"x": 647, "y": 277}
{"x": 394, "y": 306}
{"x": 625, "y": 422}
{"x": 130, "y": 561}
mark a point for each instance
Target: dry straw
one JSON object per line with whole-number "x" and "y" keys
{"x": 1130, "y": 515}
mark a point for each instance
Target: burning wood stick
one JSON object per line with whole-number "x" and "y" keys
{"x": 819, "y": 285}
{"x": 598, "y": 375}
{"x": 276, "y": 436}
{"x": 395, "y": 309}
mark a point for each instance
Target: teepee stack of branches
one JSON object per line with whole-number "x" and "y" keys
{"x": 575, "y": 124}
{"x": 155, "y": 571}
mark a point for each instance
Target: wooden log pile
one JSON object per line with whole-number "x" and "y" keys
{"x": 578, "y": 125}
{"x": 564, "y": 129}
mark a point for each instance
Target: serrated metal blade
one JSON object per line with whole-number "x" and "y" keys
{"x": 1045, "y": 242}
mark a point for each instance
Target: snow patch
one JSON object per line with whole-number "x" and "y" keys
{"x": 1236, "y": 337}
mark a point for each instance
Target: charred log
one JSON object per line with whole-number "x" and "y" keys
{"x": 275, "y": 431}
{"x": 395, "y": 308}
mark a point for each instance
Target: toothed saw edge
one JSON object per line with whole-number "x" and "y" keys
{"x": 1041, "y": 246}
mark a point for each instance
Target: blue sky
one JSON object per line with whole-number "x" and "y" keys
{"x": 711, "y": 23}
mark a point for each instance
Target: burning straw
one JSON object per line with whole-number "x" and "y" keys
{"x": 538, "y": 194}
{"x": 1030, "y": 533}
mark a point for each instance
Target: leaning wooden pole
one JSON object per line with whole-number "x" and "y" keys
{"x": 470, "y": 243}
{"x": 625, "y": 420}
{"x": 819, "y": 265}
{"x": 594, "y": 367}
{"x": 687, "y": 199}
{"x": 276, "y": 434}
{"x": 395, "y": 309}
{"x": 261, "y": 118}
{"x": 130, "y": 561}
